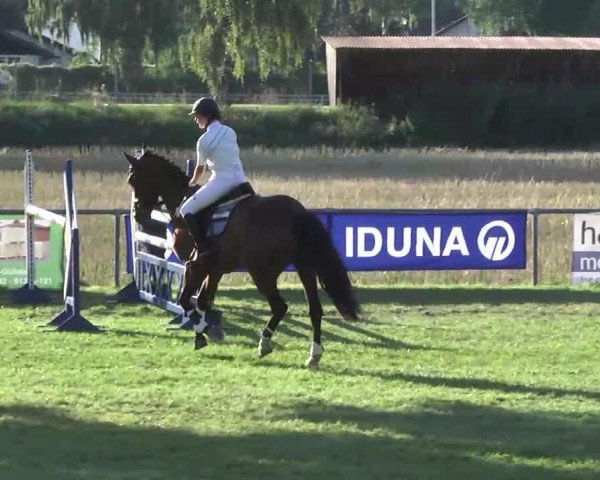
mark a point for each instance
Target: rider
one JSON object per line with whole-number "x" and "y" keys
{"x": 217, "y": 149}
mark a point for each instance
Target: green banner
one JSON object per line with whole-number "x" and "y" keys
{"x": 49, "y": 253}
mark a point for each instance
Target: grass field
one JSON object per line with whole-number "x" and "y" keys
{"x": 329, "y": 178}
{"x": 462, "y": 383}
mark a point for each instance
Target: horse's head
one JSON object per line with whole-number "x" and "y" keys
{"x": 147, "y": 181}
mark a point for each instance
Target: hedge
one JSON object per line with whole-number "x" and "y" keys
{"x": 500, "y": 115}
{"x": 496, "y": 115}
{"x": 38, "y": 124}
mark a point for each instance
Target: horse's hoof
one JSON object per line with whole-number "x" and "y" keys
{"x": 200, "y": 341}
{"x": 313, "y": 361}
{"x": 265, "y": 346}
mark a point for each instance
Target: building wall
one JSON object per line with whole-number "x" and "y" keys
{"x": 31, "y": 59}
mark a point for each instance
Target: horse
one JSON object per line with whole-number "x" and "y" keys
{"x": 263, "y": 235}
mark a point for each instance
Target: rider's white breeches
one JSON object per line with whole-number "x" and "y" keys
{"x": 216, "y": 188}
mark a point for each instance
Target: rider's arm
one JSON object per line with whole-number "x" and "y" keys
{"x": 200, "y": 165}
{"x": 198, "y": 172}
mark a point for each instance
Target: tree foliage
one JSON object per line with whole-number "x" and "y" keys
{"x": 124, "y": 27}
{"x": 223, "y": 36}
{"x": 535, "y": 17}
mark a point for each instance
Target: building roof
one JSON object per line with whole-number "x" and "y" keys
{"x": 11, "y": 44}
{"x": 466, "y": 43}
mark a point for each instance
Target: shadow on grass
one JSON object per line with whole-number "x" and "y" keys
{"x": 482, "y": 430}
{"x": 470, "y": 383}
{"x": 444, "y": 440}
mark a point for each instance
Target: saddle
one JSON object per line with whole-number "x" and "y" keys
{"x": 218, "y": 213}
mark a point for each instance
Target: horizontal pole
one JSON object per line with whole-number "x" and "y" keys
{"x": 166, "y": 304}
{"x": 562, "y": 211}
{"x": 45, "y": 215}
{"x": 162, "y": 217}
{"x": 152, "y": 240}
{"x": 85, "y": 211}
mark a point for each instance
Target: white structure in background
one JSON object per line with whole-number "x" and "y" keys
{"x": 17, "y": 46}
{"x": 462, "y": 27}
{"x": 12, "y": 240}
{"x": 75, "y": 41}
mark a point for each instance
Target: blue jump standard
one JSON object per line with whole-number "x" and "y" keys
{"x": 129, "y": 294}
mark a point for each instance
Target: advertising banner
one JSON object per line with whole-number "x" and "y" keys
{"x": 585, "y": 259}
{"x": 49, "y": 253}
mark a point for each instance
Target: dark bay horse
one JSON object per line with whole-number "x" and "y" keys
{"x": 263, "y": 236}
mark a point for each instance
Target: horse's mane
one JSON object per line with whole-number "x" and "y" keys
{"x": 173, "y": 171}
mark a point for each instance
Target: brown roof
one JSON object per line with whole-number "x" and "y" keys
{"x": 466, "y": 43}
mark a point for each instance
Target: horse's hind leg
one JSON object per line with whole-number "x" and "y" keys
{"x": 267, "y": 286}
{"x": 309, "y": 281}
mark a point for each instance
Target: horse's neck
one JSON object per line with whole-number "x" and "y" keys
{"x": 174, "y": 195}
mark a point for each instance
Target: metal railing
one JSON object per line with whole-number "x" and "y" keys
{"x": 167, "y": 98}
{"x": 534, "y": 213}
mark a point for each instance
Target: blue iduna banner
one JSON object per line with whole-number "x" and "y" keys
{"x": 430, "y": 241}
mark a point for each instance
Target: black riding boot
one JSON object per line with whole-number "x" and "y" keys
{"x": 191, "y": 222}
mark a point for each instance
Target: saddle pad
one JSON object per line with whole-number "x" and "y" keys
{"x": 221, "y": 214}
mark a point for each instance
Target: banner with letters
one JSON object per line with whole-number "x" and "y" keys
{"x": 430, "y": 241}
{"x": 49, "y": 253}
{"x": 390, "y": 241}
{"x": 585, "y": 259}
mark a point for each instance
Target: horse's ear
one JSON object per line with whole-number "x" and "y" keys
{"x": 132, "y": 161}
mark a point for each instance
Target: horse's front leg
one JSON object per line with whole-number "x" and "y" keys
{"x": 193, "y": 279}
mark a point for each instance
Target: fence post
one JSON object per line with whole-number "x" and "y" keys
{"x": 535, "y": 233}
{"x": 117, "y": 259}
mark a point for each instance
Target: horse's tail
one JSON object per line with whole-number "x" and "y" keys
{"x": 316, "y": 251}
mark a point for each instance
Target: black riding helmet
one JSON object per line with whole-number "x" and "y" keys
{"x": 207, "y": 107}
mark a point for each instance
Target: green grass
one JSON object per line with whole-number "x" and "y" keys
{"x": 455, "y": 383}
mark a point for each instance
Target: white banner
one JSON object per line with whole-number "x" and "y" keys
{"x": 585, "y": 260}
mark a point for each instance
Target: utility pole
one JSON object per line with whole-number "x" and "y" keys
{"x": 311, "y": 65}
{"x": 433, "y": 29}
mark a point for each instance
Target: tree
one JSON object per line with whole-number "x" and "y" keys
{"x": 124, "y": 27}
{"x": 224, "y": 36}
{"x": 535, "y": 17}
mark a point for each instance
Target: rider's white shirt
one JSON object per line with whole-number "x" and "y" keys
{"x": 218, "y": 149}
